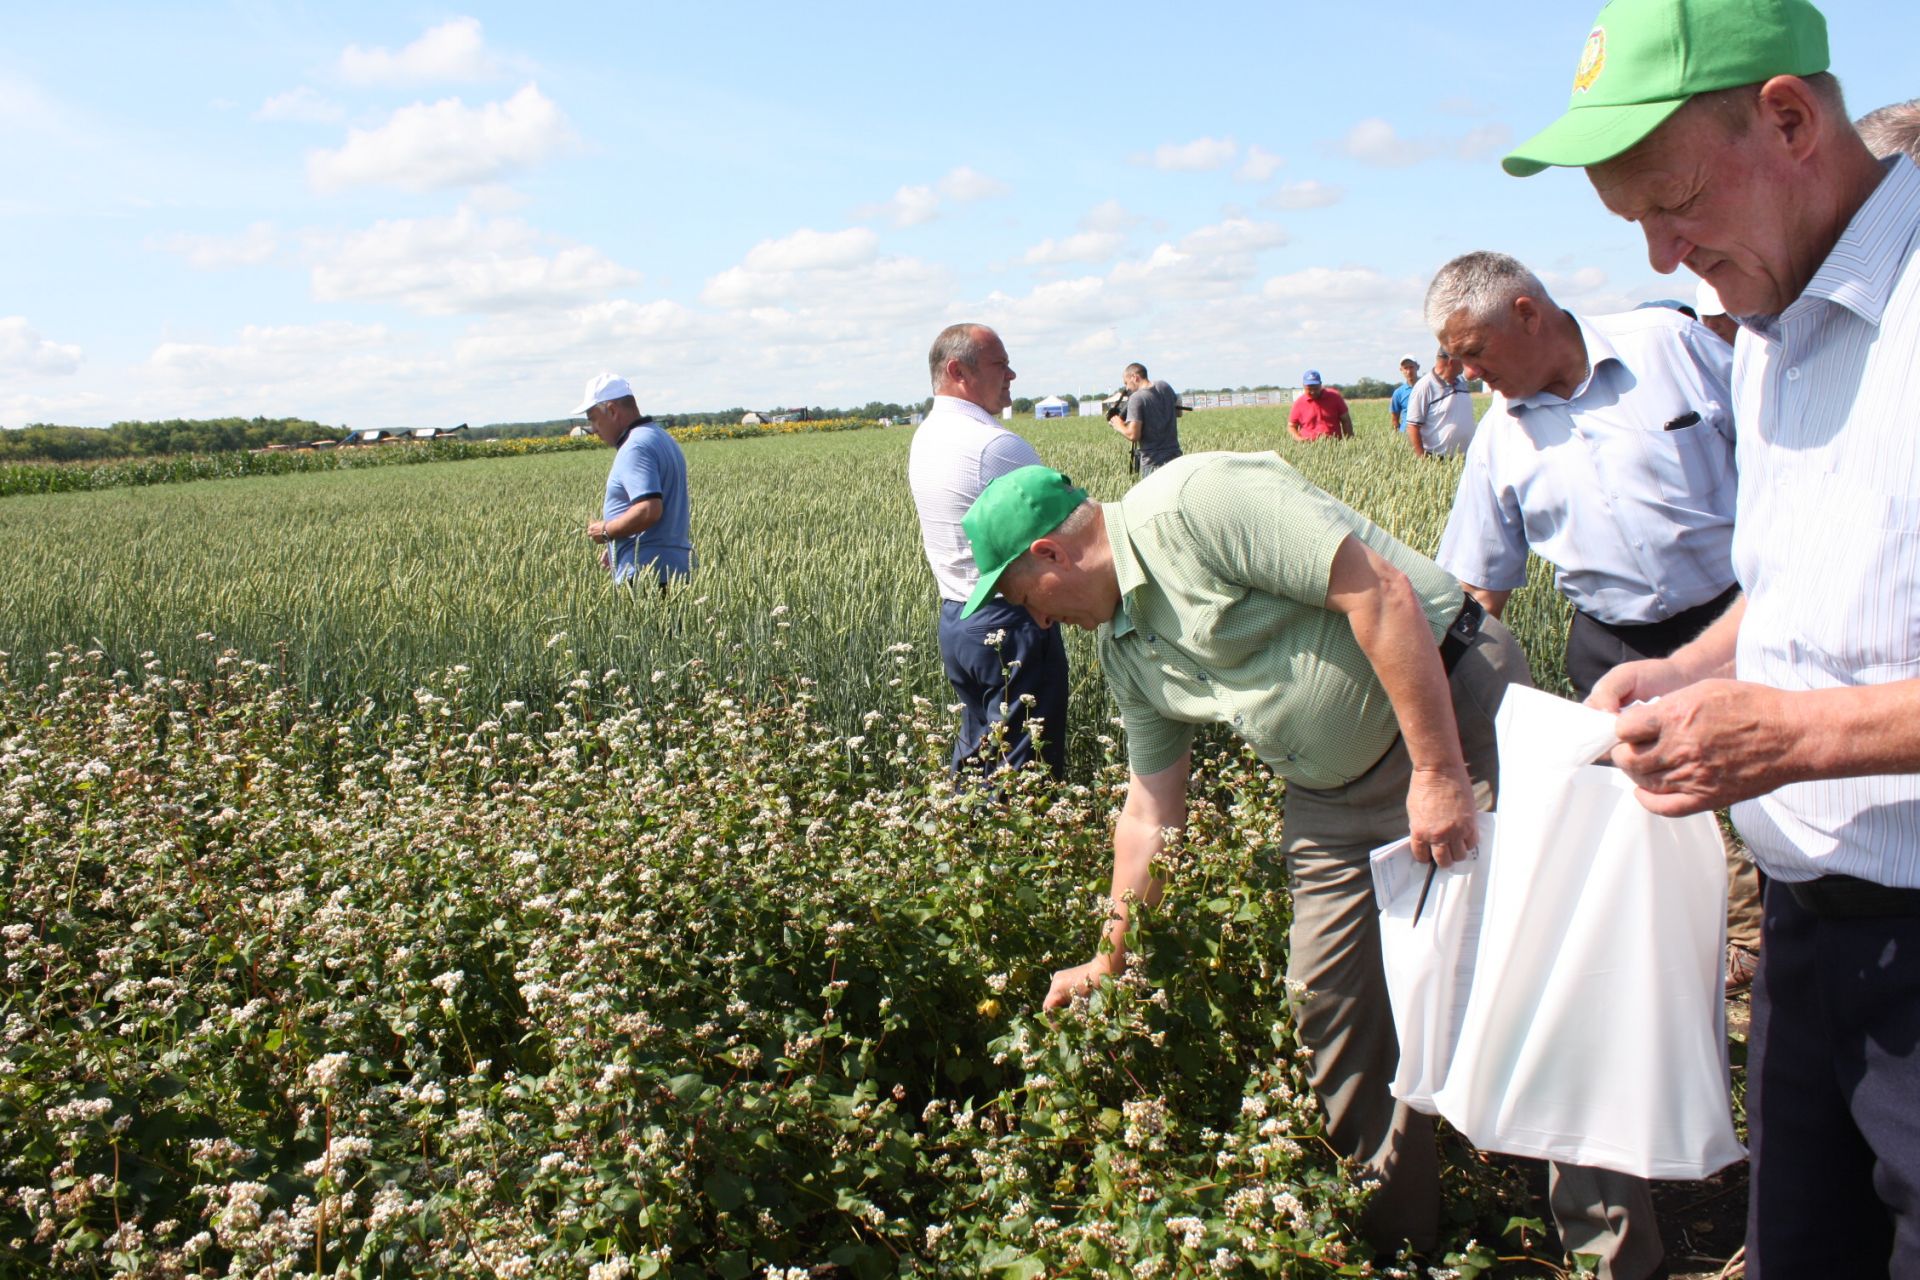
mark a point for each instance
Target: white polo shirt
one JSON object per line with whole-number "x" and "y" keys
{"x": 1442, "y": 412}
{"x": 958, "y": 449}
{"x": 1631, "y": 504}
{"x": 1827, "y": 537}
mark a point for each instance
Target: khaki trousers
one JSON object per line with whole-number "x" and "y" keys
{"x": 1341, "y": 1008}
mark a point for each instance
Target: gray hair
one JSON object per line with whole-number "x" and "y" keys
{"x": 960, "y": 342}
{"x": 1733, "y": 107}
{"x": 1482, "y": 284}
{"x": 1892, "y": 130}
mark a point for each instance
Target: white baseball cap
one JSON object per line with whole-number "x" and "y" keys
{"x": 1412, "y": 360}
{"x": 602, "y": 387}
{"x": 1706, "y": 300}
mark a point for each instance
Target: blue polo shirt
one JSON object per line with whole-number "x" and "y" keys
{"x": 649, "y": 464}
{"x": 1401, "y": 394}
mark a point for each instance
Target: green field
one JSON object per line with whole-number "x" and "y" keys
{"x": 360, "y": 584}
{"x": 424, "y": 906}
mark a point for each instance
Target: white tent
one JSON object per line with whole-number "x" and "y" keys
{"x": 1051, "y": 407}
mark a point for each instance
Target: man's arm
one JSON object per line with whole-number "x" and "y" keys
{"x": 1346, "y": 420}
{"x": 1131, "y": 430}
{"x": 638, "y": 518}
{"x": 1711, "y": 741}
{"x": 1490, "y": 600}
{"x": 1390, "y": 625}
{"x": 1155, "y": 803}
{"x": 1413, "y": 438}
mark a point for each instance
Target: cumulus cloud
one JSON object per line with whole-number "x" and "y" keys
{"x": 965, "y": 184}
{"x": 812, "y": 274}
{"x": 1198, "y": 156}
{"x": 1373, "y": 141}
{"x": 24, "y": 351}
{"x": 1109, "y": 215}
{"x": 909, "y": 207}
{"x": 1260, "y": 164}
{"x": 810, "y": 250}
{"x": 424, "y": 147}
{"x": 1343, "y": 284}
{"x": 300, "y": 106}
{"x": 1086, "y": 246}
{"x": 462, "y": 265}
{"x": 451, "y": 52}
{"x": 249, "y": 248}
{"x": 1308, "y": 193}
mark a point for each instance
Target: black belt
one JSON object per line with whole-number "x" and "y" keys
{"x": 1460, "y": 636}
{"x": 1844, "y": 897}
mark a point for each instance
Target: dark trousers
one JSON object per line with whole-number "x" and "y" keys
{"x": 1595, "y": 647}
{"x": 993, "y": 682}
{"x": 1833, "y": 1096}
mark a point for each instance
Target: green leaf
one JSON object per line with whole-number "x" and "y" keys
{"x": 726, "y": 1191}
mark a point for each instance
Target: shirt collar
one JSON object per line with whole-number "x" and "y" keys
{"x": 1600, "y": 350}
{"x": 1126, "y": 567}
{"x": 1864, "y": 264}
{"x": 954, "y": 404}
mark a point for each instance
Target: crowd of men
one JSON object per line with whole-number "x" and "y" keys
{"x": 1730, "y": 500}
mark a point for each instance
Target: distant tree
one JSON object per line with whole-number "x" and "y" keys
{"x": 1023, "y": 404}
{"x": 1367, "y": 389}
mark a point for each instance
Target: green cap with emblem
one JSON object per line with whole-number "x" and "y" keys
{"x": 1008, "y": 516}
{"x": 1645, "y": 58}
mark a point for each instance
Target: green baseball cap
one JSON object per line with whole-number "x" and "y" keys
{"x": 1008, "y": 516}
{"x": 1644, "y": 58}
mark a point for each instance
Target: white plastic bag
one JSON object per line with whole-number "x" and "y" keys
{"x": 1595, "y": 1033}
{"x": 1429, "y": 963}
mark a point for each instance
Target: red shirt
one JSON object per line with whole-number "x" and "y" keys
{"x": 1320, "y": 416}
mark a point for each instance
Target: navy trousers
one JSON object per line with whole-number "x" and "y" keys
{"x": 991, "y": 682}
{"x": 1833, "y": 1096}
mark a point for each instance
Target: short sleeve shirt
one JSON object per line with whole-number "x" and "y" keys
{"x": 1399, "y": 403}
{"x": 649, "y": 464}
{"x": 1155, "y": 408}
{"x": 955, "y": 453}
{"x": 1223, "y": 562}
{"x": 1442, "y": 412}
{"x": 1320, "y": 418}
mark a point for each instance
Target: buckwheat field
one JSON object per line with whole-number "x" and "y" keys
{"x": 384, "y": 894}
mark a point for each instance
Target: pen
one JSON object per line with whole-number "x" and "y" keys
{"x": 1686, "y": 419}
{"x": 1421, "y": 905}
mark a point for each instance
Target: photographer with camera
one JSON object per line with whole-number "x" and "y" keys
{"x": 1149, "y": 418}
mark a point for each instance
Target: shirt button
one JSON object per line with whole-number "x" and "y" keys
{"x": 1291, "y": 757}
{"x": 1793, "y": 373}
{"x": 1153, "y": 639}
{"x": 1236, "y": 719}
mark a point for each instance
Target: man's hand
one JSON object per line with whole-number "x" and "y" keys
{"x": 1632, "y": 682}
{"x": 1707, "y": 745}
{"x": 597, "y": 530}
{"x": 1440, "y": 815}
{"x": 1077, "y": 981}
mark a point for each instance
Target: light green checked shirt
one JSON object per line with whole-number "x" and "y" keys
{"x": 1224, "y": 561}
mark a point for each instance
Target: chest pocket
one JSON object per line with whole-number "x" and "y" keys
{"x": 1690, "y": 463}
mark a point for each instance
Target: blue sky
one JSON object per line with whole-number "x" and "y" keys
{"x": 404, "y": 214}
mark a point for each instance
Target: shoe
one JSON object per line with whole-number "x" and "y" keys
{"x": 1741, "y": 966}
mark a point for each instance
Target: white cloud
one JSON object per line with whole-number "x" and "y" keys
{"x": 1197, "y": 156}
{"x": 424, "y": 147}
{"x": 300, "y": 106}
{"x": 1485, "y": 142}
{"x": 1308, "y": 193}
{"x": 1234, "y": 236}
{"x": 1086, "y": 246}
{"x": 461, "y": 265}
{"x": 249, "y": 248}
{"x": 452, "y": 51}
{"x": 810, "y": 250}
{"x": 1343, "y": 284}
{"x": 24, "y": 351}
{"x": 1109, "y": 215}
{"x": 1373, "y": 141}
{"x": 909, "y": 207}
{"x": 812, "y": 273}
{"x": 1260, "y": 164}
{"x": 965, "y": 184}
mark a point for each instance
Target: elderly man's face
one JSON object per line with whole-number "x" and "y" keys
{"x": 990, "y": 379}
{"x": 1721, "y": 205}
{"x": 1052, "y": 592}
{"x": 1502, "y": 352}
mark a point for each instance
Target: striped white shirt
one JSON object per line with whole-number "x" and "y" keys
{"x": 958, "y": 449}
{"x": 1827, "y": 528}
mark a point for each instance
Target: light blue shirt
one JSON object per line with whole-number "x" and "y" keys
{"x": 649, "y": 463}
{"x": 1827, "y": 542}
{"x": 1399, "y": 402}
{"x": 1632, "y": 507}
